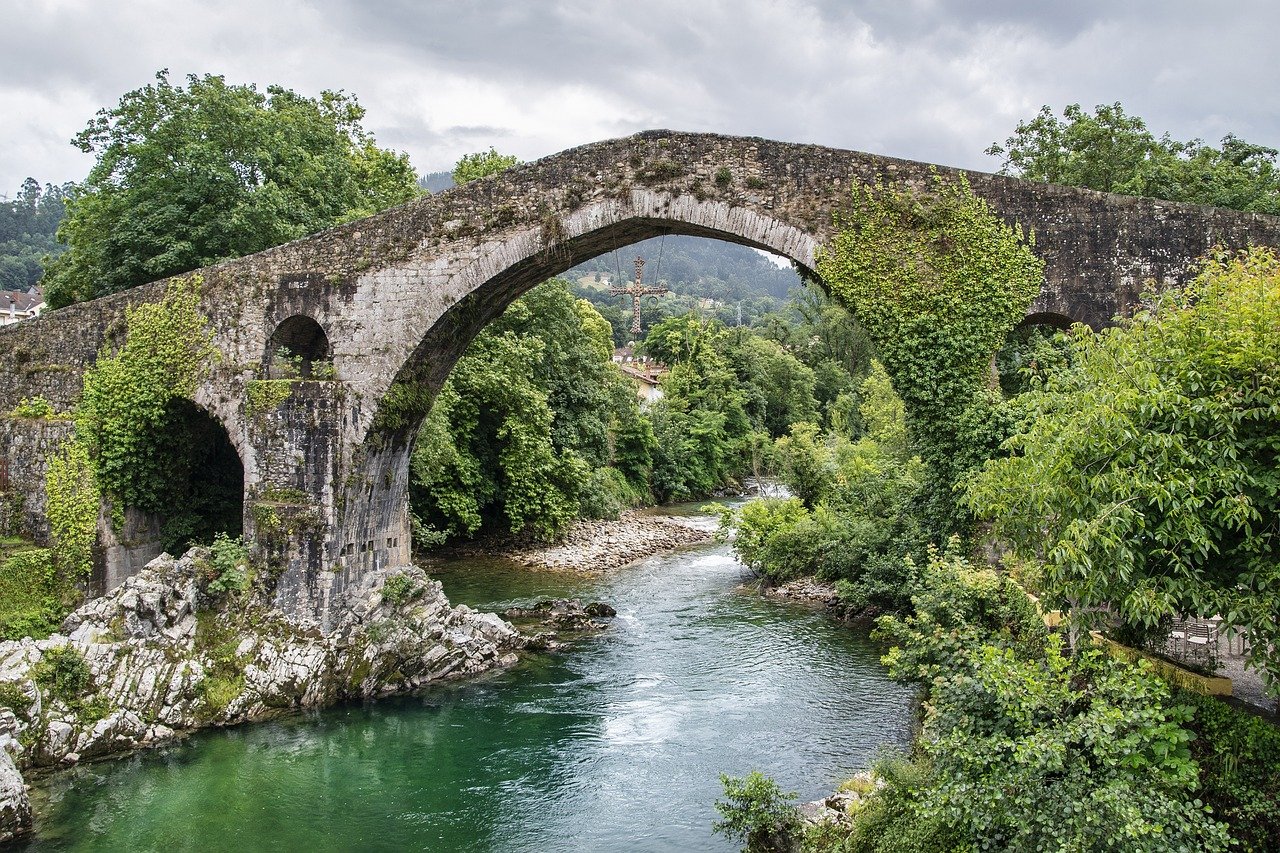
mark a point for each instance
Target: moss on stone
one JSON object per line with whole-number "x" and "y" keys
{"x": 265, "y": 395}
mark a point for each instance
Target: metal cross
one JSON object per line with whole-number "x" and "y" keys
{"x": 637, "y": 291}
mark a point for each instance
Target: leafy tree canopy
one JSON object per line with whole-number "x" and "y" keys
{"x": 1148, "y": 472}
{"x": 482, "y": 164}
{"x": 186, "y": 177}
{"x": 1115, "y": 152}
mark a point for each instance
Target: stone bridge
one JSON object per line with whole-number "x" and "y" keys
{"x": 388, "y": 304}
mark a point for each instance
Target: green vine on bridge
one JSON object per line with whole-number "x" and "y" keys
{"x": 73, "y": 502}
{"x": 127, "y": 395}
{"x": 937, "y": 280}
{"x": 121, "y": 444}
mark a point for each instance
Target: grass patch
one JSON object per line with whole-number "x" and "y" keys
{"x": 33, "y": 598}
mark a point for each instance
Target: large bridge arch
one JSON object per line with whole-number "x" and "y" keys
{"x": 401, "y": 293}
{"x": 497, "y": 277}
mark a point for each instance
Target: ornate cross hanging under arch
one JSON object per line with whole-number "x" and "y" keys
{"x": 637, "y": 290}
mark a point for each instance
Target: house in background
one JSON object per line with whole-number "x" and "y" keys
{"x": 19, "y": 305}
{"x": 643, "y": 371}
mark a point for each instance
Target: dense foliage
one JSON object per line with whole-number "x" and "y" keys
{"x": 1146, "y": 474}
{"x": 520, "y": 433}
{"x": 853, "y": 518}
{"x": 186, "y": 177}
{"x": 127, "y": 394}
{"x": 756, "y": 812}
{"x": 1115, "y": 152}
{"x": 1022, "y": 747}
{"x": 34, "y": 597}
{"x": 481, "y": 164}
{"x": 937, "y": 280}
{"x": 28, "y": 225}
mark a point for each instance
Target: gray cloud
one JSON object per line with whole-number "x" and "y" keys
{"x": 923, "y": 79}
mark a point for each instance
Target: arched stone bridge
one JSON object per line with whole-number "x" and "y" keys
{"x": 393, "y": 300}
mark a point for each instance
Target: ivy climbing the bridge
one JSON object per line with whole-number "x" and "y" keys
{"x": 937, "y": 280}
{"x": 122, "y": 416}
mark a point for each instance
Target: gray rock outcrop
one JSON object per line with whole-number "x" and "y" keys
{"x": 156, "y": 657}
{"x": 15, "y": 807}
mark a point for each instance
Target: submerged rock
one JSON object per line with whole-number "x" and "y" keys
{"x": 564, "y": 614}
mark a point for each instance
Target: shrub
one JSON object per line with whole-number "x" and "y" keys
{"x": 755, "y": 525}
{"x": 1051, "y": 753}
{"x": 228, "y": 569}
{"x": 606, "y": 493}
{"x": 13, "y": 697}
{"x": 958, "y": 608}
{"x": 1238, "y": 755}
{"x": 890, "y": 820}
{"x": 757, "y": 812}
{"x": 398, "y": 589}
{"x": 33, "y": 599}
{"x": 63, "y": 674}
{"x": 33, "y": 407}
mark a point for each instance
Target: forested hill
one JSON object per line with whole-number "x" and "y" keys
{"x": 434, "y": 182}
{"x": 694, "y": 266}
{"x": 28, "y": 223}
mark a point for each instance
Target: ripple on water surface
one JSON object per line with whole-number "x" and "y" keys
{"x": 615, "y": 746}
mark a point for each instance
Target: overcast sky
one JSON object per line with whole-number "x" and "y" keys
{"x": 933, "y": 81}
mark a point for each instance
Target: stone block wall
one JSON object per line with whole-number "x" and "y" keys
{"x": 26, "y": 445}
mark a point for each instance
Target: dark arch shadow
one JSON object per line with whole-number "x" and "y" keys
{"x": 1052, "y": 319}
{"x": 206, "y": 488}
{"x": 295, "y": 349}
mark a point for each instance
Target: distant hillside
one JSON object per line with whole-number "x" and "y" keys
{"x": 694, "y": 266}
{"x": 28, "y": 224}
{"x": 436, "y": 181}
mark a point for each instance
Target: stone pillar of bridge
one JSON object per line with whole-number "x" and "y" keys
{"x": 320, "y": 511}
{"x": 295, "y": 429}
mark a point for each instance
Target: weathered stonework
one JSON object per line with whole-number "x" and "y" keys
{"x": 26, "y": 444}
{"x": 400, "y": 295}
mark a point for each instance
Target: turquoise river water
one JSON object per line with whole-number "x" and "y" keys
{"x": 616, "y": 745}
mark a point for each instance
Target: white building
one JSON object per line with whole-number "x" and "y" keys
{"x": 18, "y": 305}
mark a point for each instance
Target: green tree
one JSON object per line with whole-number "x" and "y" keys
{"x": 704, "y": 436}
{"x": 485, "y": 451}
{"x": 777, "y": 386}
{"x": 186, "y": 177}
{"x": 1146, "y": 475}
{"x": 28, "y": 224}
{"x": 1023, "y": 748}
{"x": 481, "y": 164}
{"x": 1115, "y": 152}
{"x": 528, "y": 430}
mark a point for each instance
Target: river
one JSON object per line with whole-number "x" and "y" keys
{"x": 616, "y": 745}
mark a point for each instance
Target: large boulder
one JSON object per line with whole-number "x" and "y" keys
{"x": 15, "y": 806}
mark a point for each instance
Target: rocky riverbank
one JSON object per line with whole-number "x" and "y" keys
{"x": 162, "y": 654}
{"x": 809, "y": 591}
{"x": 591, "y": 545}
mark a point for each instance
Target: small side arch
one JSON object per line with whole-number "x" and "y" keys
{"x": 1061, "y": 322}
{"x": 297, "y": 348}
